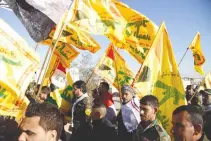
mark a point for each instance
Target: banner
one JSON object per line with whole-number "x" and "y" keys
{"x": 12, "y": 105}
{"x": 54, "y": 9}
{"x": 198, "y": 55}
{"x": 76, "y": 37}
{"x": 36, "y": 23}
{"x": 62, "y": 97}
{"x": 66, "y": 53}
{"x": 138, "y": 32}
{"x": 159, "y": 76}
{"x": 18, "y": 63}
{"x": 206, "y": 83}
{"x": 54, "y": 62}
{"x": 125, "y": 27}
{"x": 113, "y": 68}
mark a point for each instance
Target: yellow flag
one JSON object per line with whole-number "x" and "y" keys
{"x": 113, "y": 68}
{"x": 73, "y": 36}
{"x": 138, "y": 33}
{"x": 12, "y": 105}
{"x": 18, "y": 63}
{"x": 21, "y": 104}
{"x": 54, "y": 62}
{"x": 125, "y": 27}
{"x": 206, "y": 83}
{"x": 65, "y": 52}
{"x": 62, "y": 97}
{"x": 160, "y": 76}
{"x": 198, "y": 55}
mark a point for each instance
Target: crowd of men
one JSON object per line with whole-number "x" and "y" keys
{"x": 98, "y": 120}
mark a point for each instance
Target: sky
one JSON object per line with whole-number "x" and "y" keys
{"x": 183, "y": 19}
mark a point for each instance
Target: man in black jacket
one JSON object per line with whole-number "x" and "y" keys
{"x": 81, "y": 113}
{"x": 103, "y": 129}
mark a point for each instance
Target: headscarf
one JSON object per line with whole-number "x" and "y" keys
{"x": 128, "y": 88}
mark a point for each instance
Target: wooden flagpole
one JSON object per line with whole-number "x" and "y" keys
{"x": 54, "y": 47}
{"x": 36, "y": 47}
{"x": 136, "y": 76}
{"x": 44, "y": 62}
{"x": 142, "y": 64}
{"x": 183, "y": 56}
{"x": 116, "y": 72}
{"x": 100, "y": 60}
{"x": 199, "y": 85}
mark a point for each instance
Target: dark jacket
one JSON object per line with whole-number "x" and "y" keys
{"x": 103, "y": 130}
{"x": 154, "y": 132}
{"x": 123, "y": 134}
{"x": 81, "y": 121}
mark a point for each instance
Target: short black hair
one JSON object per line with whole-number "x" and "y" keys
{"x": 105, "y": 84}
{"x": 150, "y": 100}
{"x": 38, "y": 86}
{"x": 188, "y": 87}
{"x": 98, "y": 106}
{"x": 46, "y": 90}
{"x": 80, "y": 85}
{"x": 53, "y": 87}
{"x": 50, "y": 116}
{"x": 195, "y": 113}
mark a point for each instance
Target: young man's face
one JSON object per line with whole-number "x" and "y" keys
{"x": 126, "y": 97}
{"x": 76, "y": 91}
{"x": 182, "y": 128}
{"x": 189, "y": 91}
{"x": 43, "y": 96}
{"x": 148, "y": 113}
{"x": 206, "y": 99}
{"x": 102, "y": 88}
{"x": 32, "y": 131}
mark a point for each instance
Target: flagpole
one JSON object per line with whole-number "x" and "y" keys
{"x": 100, "y": 60}
{"x": 91, "y": 75}
{"x": 36, "y": 47}
{"x": 183, "y": 56}
{"x": 136, "y": 76}
{"x": 147, "y": 54}
{"x": 116, "y": 72}
{"x": 199, "y": 86}
{"x": 46, "y": 56}
{"x": 54, "y": 47}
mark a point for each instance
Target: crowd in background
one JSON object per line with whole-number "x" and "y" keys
{"x": 96, "y": 118}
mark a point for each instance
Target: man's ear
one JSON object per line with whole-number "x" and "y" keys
{"x": 52, "y": 135}
{"x": 155, "y": 110}
{"x": 197, "y": 129}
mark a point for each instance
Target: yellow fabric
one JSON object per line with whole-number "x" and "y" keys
{"x": 116, "y": 70}
{"x": 18, "y": 64}
{"x": 54, "y": 62}
{"x": 73, "y": 36}
{"x": 206, "y": 83}
{"x": 65, "y": 52}
{"x": 106, "y": 67}
{"x": 160, "y": 76}
{"x": 12, "y": 105}
{"x": 125, "y": 27}
{"x": 138, "y": 33}
{"x": 63, "y": 97}
{"x": 198, "y": 55}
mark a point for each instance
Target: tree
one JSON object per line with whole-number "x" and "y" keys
{"x": 85, "y": 66}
